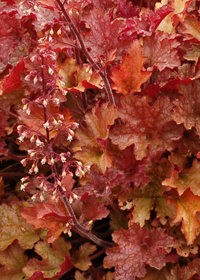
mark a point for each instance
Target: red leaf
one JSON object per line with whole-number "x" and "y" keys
{"x": 102, "y": 28}
{"x": 186, "y": 179}
{"x": 76, "y": 78}
{"x": 94, "y": 210}
{"x": 13, "y": 81}
{"x": 161, "y": 51}
{"x": 67, "y": 182}
{"x": 136, "y": 248}
{"x": 9, "y": 35}
{"x": 52, "y": 216}
{"x": 187, "y": 106}
{"x": 147, "y": 22}
{"x": 192, "y": 26}
{"x": 146, "y": 126}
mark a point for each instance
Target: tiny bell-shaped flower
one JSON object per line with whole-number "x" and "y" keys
{"x": 39, "y": 143}
{"x": 43, "y": 161}
{"x": 46, "y": 125}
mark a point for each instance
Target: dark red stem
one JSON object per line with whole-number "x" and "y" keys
{"x": 76, "y": 226}
{"x": 85, "y": 51}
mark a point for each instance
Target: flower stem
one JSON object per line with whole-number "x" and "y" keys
{"x": 85, "y": 51}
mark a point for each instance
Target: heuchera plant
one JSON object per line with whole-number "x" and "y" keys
{"x": 99, "y": 139}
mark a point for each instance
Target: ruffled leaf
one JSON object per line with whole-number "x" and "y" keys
{"x": 101, "y": 29}
{"x": 76, "y": 78}
{"x": 129, "y": 76}
{"x": 12, "y": 260}
{"x": 90, "y": 147}
{"x": 187, "y": 106}
{"x": 52, "y": 216}
{"x": 13, "y": 226}
{"x": 161, "y": 51}
{"x": 186, "y": 179}
{"x": 55, "y": 259}
{"x": 81, "y": 257}
{"x": 187, "y": 206}
{"x": 146, "y": 126}
{"x": 136, "y": 248}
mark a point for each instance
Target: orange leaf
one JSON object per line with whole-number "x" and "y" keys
{"x": 76, "y": 78}
{"x": 55, "y": 259}
{"x": 187, "y": 206}
{"x": 90, "y": 146}
{"x": 52, "y": 216}
{"x": 186, "y": 179}
{"x": 36, "y": 118}
{"x": 81, "y": 257}
{"x": 192, "y": 26}
{"x": 13, "y": 226}
{"x": 129, "y": 76}
{"x": 12, "y": 261}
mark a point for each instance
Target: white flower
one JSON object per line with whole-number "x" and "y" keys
{"x": 41, "y": 198}
{"x": 64, "y": 173}
{"x": 50, "y": 70}
{"x": 21, "y": 138}
{"x": 46, "y": 125}
{"x": 69, "y": 138}
{"x": 35, "y": 80}
{"x": 33, "y": 197}
{"x": 27, "y": 78}
{"x": 45, "y": 102}
{"x": 43, "y": 161}
{"x": 63, "y": 159}
{"x": 36, "y": 169}
{"x": 39, "y": 143}
{"x": 22, "y": 187}
{"x": 59, "y": 31}
{"x": 25, "y": 107}
{"x": 57, "y": 101}
{"x": 28, "y": 111}
{"x": 23, "y": 161}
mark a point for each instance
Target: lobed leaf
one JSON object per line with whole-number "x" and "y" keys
{"x": 55, "y": 259}
{"x": 186, "y": 179}
{"x": 136, "y": 248}
{"x": 81, "y": 257}
{"x": 148, "y": 127}
{"x": 129, "y": 76}
{"x": 187, "y": 206}
{"x": 52, "y": 216}
{"x": 12, "y": 260}
{"x": 13, "y": 227}
{"x": 187, "y": 106}
{"x": 90, "y": 147}
{"x": 76, "y": 78}
{"x": 161, "y": 51}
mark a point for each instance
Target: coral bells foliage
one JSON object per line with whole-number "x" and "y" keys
{"x": 99, "y": 139}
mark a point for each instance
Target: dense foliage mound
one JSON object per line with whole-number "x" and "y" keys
{"x": 99, "y": 139}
